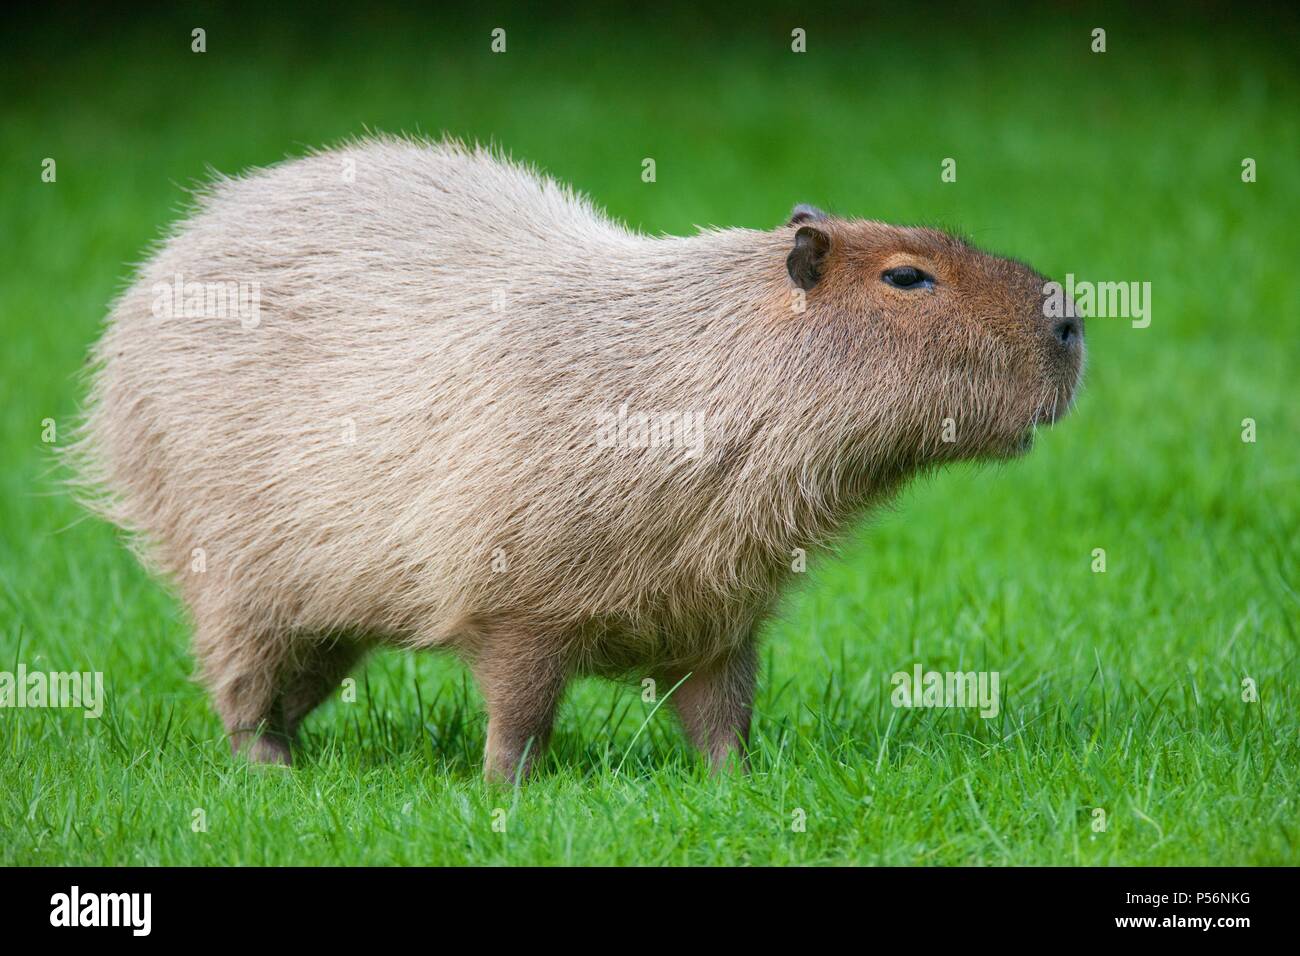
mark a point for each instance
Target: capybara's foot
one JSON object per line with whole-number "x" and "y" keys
{"x": 505, "y": 760}
{"x": 262, "y": 748}
{"x": 261, "y": 744}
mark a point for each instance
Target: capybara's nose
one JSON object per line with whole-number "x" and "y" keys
{"x": 1069, "y": 332}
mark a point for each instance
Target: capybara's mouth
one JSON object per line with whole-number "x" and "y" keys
{"x": 1056, "y": 404}
{"x": 1049, "y": 414}
{"x": 1049, "y": 411}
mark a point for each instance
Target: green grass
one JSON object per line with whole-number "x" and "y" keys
{"x": 1121, "y": 691}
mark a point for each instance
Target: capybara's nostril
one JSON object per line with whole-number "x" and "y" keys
{"x": 1066, "y": 331}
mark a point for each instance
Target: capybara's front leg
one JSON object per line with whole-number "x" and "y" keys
{"x": 715, "y": 705}
{"x": 522, "y": 685}
{"x": 242, "y": 668}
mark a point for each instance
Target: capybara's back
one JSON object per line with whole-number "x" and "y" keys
{"x": 414, "y": 393}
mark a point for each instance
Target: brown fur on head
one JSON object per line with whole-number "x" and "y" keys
{"x": 953, "y": 340}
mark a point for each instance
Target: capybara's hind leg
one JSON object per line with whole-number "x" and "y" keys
{"x": 316, "y": 674}
{"x": 522, "y": 685}
{"x": 243, "y": 671}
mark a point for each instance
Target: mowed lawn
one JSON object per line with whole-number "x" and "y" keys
{"x": 1149, "y": 713}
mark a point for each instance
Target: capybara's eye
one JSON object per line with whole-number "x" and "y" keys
{"x": 908, "y": 277}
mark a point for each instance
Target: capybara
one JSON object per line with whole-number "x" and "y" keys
{"x": 412, "y": 392}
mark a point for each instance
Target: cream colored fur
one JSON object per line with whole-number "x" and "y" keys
{"x": 405, "y": 448}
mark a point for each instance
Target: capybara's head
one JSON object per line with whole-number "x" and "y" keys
{"x": 955, "y": 354}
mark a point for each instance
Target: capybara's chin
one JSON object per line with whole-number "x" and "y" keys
{"x": 1016, "y": 442}
{"x": 1055, "y": 404}
{"x": 412, "y": 393}
{"x": 1061, "y": 358}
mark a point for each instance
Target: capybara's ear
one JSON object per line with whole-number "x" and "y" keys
{"x": 805, "y": 213}
{"x": 805, "y": 263}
